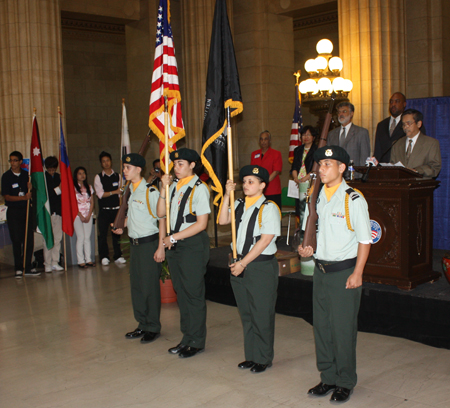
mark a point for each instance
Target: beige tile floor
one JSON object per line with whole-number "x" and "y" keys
{"x": 62, "y": 345}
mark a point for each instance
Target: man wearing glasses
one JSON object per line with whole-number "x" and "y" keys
{"x": 416, "y": 151}
{"x": 16, "y": 189}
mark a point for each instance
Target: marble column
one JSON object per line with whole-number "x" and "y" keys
{"x": 428, "y": 48}
{"x": 197, "y": 18}
{"x": 140, "y": 48}
{"x": 264, "y": 44}
{"x": 31, "y": 75}
{"x": 372, "y": 47}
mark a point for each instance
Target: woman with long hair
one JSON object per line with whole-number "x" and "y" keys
{"x": 301, "y": 169}
{"x": 83, "y": 222}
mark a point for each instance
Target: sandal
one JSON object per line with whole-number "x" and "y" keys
{"x": 82, "y": 266}
{"x": 91, "y": 264}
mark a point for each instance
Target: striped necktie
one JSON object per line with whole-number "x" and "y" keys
{"x": 342, "y": 137}
{"x": 392, "y": 128}
{"x": 409, "y": 151}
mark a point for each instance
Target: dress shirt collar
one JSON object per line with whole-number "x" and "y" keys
{"x": 397, "y": 119}
{"x": 414, "y": 140}
{"x": 347, "y": 128}
{"x": 109, "y": 175}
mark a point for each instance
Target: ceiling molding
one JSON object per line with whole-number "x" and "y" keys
{"x": 93, "y": 30}
{"x": 95, "y": 26}
{"x": 316, "y": 21}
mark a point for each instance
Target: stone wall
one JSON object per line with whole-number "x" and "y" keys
{"x": 95, "y": 80}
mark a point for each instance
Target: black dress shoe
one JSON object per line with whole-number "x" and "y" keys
{"x": 190, "y": 352}
{"x": 259, "y": 368}
{"x": 135, "y": 334}
{"x": 246, "y": 364}
{"x": 341, "y": 394}
{"x": 177, "y": 348}
{"x": 149, "y": 337}
{"x": 321, "y": 389}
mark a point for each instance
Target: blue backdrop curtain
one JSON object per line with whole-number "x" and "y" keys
{"x": 436, "y": 114}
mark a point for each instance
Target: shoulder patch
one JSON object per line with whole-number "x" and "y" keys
{"x": 353, "y": 194}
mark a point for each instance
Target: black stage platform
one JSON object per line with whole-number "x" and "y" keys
{"x": 422, "y": 314}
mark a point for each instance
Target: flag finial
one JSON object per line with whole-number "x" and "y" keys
{"x": 297, "y": 76}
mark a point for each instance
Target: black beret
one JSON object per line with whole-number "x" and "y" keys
{"x": 134, "y": 159}
{"x": 254, "y": 170}
{"x": 332, "y": 152}
{"x": 185, "y": 154}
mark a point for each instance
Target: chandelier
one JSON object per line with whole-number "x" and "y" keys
{"x": 324, "y": 76}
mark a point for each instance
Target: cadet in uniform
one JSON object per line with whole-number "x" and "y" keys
{"x": 254, "y": 278}
{"x": 343, "y": 245}
{"x": 189, "y": 210}
{"x": 146, "y": 250}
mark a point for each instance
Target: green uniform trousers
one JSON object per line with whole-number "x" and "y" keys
{"x": 256, "y": 295}
{"x": 335, "y": 321}
{"x": 187, "y": 263}
{"x": 145, "y": 291}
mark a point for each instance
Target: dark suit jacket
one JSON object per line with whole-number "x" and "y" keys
{"x": 298, "y": 154}
{"x": 357, "y": 143}
{"x": 383, "y": 141}
{"x": 425, "y": 157}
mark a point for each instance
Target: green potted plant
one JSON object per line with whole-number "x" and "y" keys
{"x": 168, "y": 294}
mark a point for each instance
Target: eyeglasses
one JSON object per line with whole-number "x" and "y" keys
{"x": 407, "y": 124}
{"x": 13, "y": 160}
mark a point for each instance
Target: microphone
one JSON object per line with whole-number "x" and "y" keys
{"x": 366, "y": 174}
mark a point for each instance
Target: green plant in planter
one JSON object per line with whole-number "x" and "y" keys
{"x": 165, "y": 273}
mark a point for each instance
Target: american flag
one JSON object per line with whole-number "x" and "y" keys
{"x": 165, "y": 82}
{"x": 297, "y": 126}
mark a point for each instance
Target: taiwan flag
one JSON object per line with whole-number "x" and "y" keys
{"x": 42, "y": 205}
{"x": 69, "y": 207}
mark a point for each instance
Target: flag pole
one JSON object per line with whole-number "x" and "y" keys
{"x": 64, "y": 234}
{"x": 121, "y": 153}
{"x": 28, "y": 214}
{"x": 166, "y": 161}
{"x": 231, "y": 177}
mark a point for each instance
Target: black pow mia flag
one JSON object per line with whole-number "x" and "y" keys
{"x": 222, "y": 91}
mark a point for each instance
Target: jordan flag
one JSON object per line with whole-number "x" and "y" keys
{"x": 42, "y": 205}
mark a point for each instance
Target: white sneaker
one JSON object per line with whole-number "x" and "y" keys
{"x": 18, "y": 274}
{"x": 120, "y": 260}
{"x": 105, "y": 261}
{"x": 48, "y": 269}
{"x": 57, "y": 267}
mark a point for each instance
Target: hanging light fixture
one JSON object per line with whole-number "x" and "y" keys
{"x": 324, "y": 76}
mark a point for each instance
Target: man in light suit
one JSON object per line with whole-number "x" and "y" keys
{"x": 354, "y": 139}
{"x": 417, "y": 151}
{"x": 390, "y": 129}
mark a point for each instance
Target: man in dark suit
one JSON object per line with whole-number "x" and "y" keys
{"x": 354, "y": 139}
{"x": 417, "y": 151}
{"x": 390, "y": 129}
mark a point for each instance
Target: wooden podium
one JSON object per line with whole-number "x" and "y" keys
{"x": 401, "y": 213}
